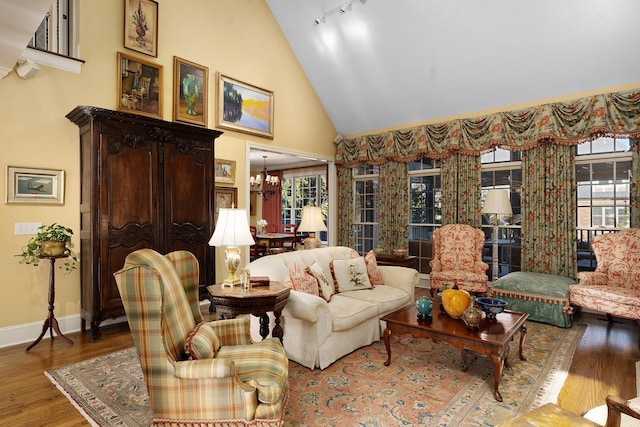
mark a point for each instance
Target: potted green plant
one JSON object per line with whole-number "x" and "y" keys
{"x": 51, "y": 240}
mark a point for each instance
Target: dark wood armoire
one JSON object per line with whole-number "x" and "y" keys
{"x": 145, "y": 183}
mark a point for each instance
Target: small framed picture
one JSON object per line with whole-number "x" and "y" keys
{"x": 27, "y": 185}
{"x": 226, "y": 197}
{"x": 141, "y": 26}
{"x": 225, "y": 172}
{"x": 244, "y": 108}
{"x": 139, "y": 86}
{"x": 190, "y": 92}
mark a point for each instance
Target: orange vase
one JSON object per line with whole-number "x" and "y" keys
{"x": 455, "y": 302}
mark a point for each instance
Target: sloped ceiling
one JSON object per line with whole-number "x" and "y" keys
{"x": 19, "y": 19}
{"x": 386, "y": 64}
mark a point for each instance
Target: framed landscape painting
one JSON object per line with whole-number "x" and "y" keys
{"x": 28, "y": 185}
{"x": 139, "y": 86}
{"x": 225, "y": 171}
{"x": 141, "y": 26}
{"x": 244, "y": 108}
{"x": 190, "y": 92}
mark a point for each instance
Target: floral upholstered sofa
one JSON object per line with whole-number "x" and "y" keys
{"x": 325, "y": 319}
{"x": 614, "y": 287}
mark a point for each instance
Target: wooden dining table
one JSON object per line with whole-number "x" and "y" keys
{"x": 271, "y": 240}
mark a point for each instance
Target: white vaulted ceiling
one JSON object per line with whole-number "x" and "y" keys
{"x": 390, "y": 63}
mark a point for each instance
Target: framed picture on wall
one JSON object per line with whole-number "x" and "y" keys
{"x": 226, "y": 197}
{"x": 244, "y": 108}
{"x": 28, "y": 185}
{"x": 190, "y": 92}
{"x": 225, "y": 172}
{"x": 141, "y": 26}
{"x": 139, "y": 86}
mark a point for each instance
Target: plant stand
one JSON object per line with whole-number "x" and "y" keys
{"x": 50, "y": 322}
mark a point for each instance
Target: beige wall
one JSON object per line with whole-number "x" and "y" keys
{"x": 238, "y": 38}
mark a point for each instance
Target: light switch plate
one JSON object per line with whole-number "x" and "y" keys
{"x": 27, "y": 227}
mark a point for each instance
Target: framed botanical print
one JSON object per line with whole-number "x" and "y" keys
{"x": 141, "y": 26}
{"x": 139, "y": 86}
{"x": 190, "y": 92}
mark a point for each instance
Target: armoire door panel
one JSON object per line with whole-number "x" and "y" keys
{"x": 128, "y": 183}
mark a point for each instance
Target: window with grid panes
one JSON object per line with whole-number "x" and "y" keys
{"x": 300, "y": 190}
{"x": 425, "y": 209}
{"x": 603, "y": 178}
{"x": 367, "y": 218}
{"x": 502, "y": 169}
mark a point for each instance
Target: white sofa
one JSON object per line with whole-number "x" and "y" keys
{"x": 317, "y": 333}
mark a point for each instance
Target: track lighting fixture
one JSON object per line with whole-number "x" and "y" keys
{"x": 345, "y": 7}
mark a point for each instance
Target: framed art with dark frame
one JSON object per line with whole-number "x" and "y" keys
{"x": 28, "y": 185}
{"x": 244, "y": 108}
{"x": 139, "y": 86}
{"x": 141, "y": 26}
{"x": 225, "y": 171}
{"x": 190, "y": 92}
{"x": 226, "y": 197}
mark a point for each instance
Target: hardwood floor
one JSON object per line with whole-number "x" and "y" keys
{"x": 604, "y": 363}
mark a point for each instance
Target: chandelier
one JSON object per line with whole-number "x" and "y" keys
{"x": 263, "y": 183}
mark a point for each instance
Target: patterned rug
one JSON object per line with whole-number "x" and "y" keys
{"x": 424, "y": 385}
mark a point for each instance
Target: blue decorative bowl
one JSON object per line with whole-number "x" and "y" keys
{"x": 491, "y": 306}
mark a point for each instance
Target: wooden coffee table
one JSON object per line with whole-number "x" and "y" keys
{"x": 491, "y": 339}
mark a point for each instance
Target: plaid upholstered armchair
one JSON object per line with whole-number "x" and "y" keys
{"x": 197, "y": 373}
{"x": 457, "y": 257}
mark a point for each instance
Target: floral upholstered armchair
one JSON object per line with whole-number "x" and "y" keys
{"x": 457, "y": 258}
{"x": 614, "y": 287}
{"x": 197, "y": 373}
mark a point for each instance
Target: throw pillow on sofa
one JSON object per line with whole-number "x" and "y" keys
{"x": 325, "y": 285}
{"x": 202, "y": 342}
{"x": 350, "y": 274}
{"x": 375, "y": 277}
{"x": 299, "y": 280}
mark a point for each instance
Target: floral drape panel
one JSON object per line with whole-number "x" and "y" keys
{"x": 573, "y": 122}
{"x": 461, "y": 182}
{"x": 635, "y": 183}
{"x": 345, "y": 207}
{"x": 394, "y": 206}
{"x": 549, "y": 210}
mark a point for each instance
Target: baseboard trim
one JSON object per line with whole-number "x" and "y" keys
{"x": 28, "y": 332}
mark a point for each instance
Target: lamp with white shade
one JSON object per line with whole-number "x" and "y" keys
{"x": 312, "y": 223}
{"x": 496, "y": 203}
{"x": 232, "y": 230}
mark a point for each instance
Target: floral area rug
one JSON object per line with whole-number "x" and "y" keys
{"x": 423, "y": 385}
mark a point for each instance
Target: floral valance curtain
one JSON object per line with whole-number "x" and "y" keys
{"x": 570, "y": 123}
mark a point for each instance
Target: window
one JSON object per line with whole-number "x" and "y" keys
{"x": 300, "y": 190}
{"x": 503, "y": 174}
{"x": 425, "y": 209}
{"x": 55, "y": 42}
{"x": 367, "y": 217}
{"x": 603, "y": 179}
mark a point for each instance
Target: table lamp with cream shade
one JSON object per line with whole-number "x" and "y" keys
{"x": 232, "y": 230}
{"x": 497, "y": 203}
{"x": 312, "y": 223}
